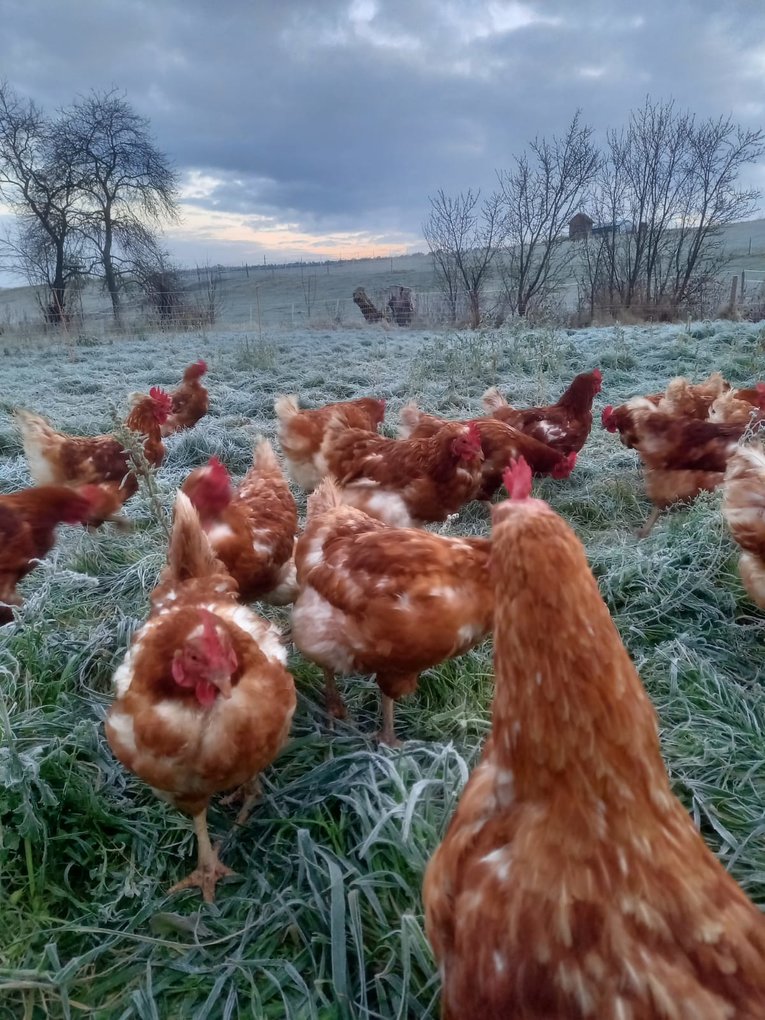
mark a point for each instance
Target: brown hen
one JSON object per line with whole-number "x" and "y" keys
{"x": 28, "y": 522}
{"x": 406, "y": 482}
{"x": 203, "y": 699}
{"x": 251, "y": 530}
{"x": 744, "y": 509}
{"x": 500, "y": 443}
{"x": 301, "y": 432}
{"x": 388, "y": 601}
{"x": 564, "y": 425}
{"x": 56, "y": 458}
{"x": 191, "y": 401}
{"x": 571, "y": 881}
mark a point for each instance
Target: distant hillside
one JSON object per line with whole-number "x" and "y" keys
{"x": 258, "y": 297}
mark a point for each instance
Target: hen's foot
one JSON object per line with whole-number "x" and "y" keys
{"x": 389, "y": 739}
{"x": 647, "y": 528}
{"x": 336, "y": 707}
{"x": 205, "y": 878}
{"x": 333, "y": 700}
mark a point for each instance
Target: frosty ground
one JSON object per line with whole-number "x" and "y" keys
{"x": 325, "y": 919}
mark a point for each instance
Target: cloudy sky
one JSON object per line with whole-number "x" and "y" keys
{"x": 315, "y": 129}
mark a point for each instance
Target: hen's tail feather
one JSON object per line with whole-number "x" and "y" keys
{"x": 28, "y": 421}
{"x": 286, "y": 407}
{"x": 325, "y": 497}
{"x": 492, "y": 400}
{"x": 36, "y": 435}
{"x": 409, "y": 417}
{"x": 264, "y": 458}
{"x": 190, "y": 554}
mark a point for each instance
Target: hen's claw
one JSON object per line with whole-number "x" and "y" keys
{"x": 204, "y": 878}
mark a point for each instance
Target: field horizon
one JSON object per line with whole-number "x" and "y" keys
{"x": 317, "y": 294}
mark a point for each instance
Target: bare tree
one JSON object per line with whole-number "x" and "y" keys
{"x": 159, "y": 280}
{"x": 438, "y": 237}
{"x": 210, "y": 303}
{"x": 592, "y": 275}
{"x": 42, "y": 185}
{"x": 464, "y": 236}
{"x": 673, "y": 183}
{"x": 539, "y": 196}
{"x": 38, "y": 256}
{"x": 717, "y": 150}
{"x": 640, "y": 187}
{"x": 128, "y": 186}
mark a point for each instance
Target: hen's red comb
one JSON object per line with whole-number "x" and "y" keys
{"x": 517, "y": 479}
{"x": 160, "y": 397}
{"x": 218, "y": 472}
{"x": 607, "y": 418}
{"x": 565, "y": 466}
{"x": 93, "y": 494}
{"x": 216, "y": 483}
{"x": 474, "y": 434}
{"x": 93, "y": 499}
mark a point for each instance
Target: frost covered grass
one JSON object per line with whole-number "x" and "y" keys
{"x": 325, "y": 918}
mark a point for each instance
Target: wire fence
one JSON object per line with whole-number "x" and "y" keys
{"x": 261, "y": 299}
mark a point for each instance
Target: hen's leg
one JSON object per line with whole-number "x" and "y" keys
{"x": 387, "y": 734}
{"x": 120, "y": 522}
{"x": 9, "y": 597}
{"x": 645, "y": 531}
{"x": 249, "y": 794}
{"x": 209, "y": 869}
{"x": 333, "y": 699}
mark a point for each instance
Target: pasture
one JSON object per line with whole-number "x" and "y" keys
{"x": 325, "y": 918}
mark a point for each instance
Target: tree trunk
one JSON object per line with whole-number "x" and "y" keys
{"x": 56, "y": 310}
{"x": 111, "y": 285}
{"x": 110, "y": 277}
{"x": 368, "y": 310}
{"x": 475, "y": 308}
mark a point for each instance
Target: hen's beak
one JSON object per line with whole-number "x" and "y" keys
{"x": 223, "y": 682}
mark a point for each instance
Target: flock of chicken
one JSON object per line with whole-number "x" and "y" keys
{"x": 571, "y": 881}
{"x": 688, "y": 438}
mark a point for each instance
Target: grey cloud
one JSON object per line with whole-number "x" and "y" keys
{"x": 346, "y": 115}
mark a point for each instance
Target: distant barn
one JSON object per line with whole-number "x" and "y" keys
{"x": 579, "y": 227}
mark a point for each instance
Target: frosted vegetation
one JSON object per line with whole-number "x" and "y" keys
{"x": 325, "y": 919}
